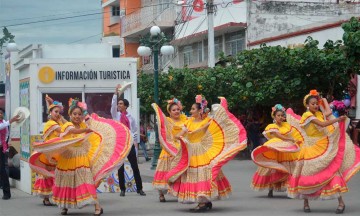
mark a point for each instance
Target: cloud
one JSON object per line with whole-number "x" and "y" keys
{"x": 60, "y": 31}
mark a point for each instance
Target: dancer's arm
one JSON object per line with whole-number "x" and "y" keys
{"x": 5, "y": 124}
{"x": 79, "y": 131}
{"x": 182, "y": 133}
{"x": 327, "y": 111}
{"x": 280, "y": 136}
{"x": 329, "y": 122}
{"x": 113, "y": 109}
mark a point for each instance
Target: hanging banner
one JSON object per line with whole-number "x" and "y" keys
{"x": 25, "y": 128}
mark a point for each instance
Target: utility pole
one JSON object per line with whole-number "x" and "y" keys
{"x": 210, "y": 7}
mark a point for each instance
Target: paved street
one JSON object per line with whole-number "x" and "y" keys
{"x": 242, "y": 202}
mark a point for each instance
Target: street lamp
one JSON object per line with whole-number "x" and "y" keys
{"x": 8, "y": 37}
{"x": 152, "y": 44}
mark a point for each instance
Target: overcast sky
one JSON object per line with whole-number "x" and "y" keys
{"x": 83, "y": 29}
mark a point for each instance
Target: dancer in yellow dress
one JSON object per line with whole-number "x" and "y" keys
{"x": 195, "y": 175}
{"x": 74, "y": 184}
{"x": 276, "y": 158}
{"x": 327, "y": 159}
{"x": 87, "y": 153}
{"x": 174, "y": 123}
{"x": 52, "y": 129}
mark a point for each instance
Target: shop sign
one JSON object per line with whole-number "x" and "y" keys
{"x": 48, "y": 75}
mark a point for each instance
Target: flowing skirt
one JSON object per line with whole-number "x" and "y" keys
{"x": 276, "y": 159}
{"x": 325, "y": 165}
{"x": 74, "y": 183}
{"x": 43, "y": 186}
{"x": 163, "y": 166}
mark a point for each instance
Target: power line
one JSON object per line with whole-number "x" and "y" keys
{"x": 181, "y": 44}
{"x": 82, "y": 15}
{"x": 128, "y": 23}
{"x": 52, "y": 15}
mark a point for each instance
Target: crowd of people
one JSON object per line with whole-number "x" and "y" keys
{"x": 309, "y": 156}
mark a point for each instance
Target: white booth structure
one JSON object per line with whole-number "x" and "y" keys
{"x": 92, "y": 80}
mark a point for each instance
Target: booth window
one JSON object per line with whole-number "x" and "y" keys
{"x": 61, "y": 97}
{"x": 99, "y": 103}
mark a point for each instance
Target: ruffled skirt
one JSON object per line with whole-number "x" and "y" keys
{"x": 74, "y": 183}
{"x": 43, "y": 186}
{"x": 325, "y": 166}
{"x": 276, "y": 159}
{"x": 163, "y": 166}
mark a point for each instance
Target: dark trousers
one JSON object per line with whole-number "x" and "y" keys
{"x": 4, "y": 176}
{"x": 14, "y": 173}
{"x": 134, "y": 166}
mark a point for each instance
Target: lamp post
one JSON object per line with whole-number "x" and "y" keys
{"x": 153, "y": 44}
{"x": 8, "y": 37}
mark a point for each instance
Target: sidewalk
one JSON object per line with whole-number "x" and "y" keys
{"x": 243, "y": 201}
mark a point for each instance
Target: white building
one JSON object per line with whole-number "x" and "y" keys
{"x": 191, "y": 35}
{"x": 87, "y": 72}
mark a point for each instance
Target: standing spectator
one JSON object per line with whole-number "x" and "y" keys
{"x": 14, "y": 163}
{"x": 253, "y": 130}
{"x": 3, "y": 147}
{"x": 143, "y": 140}
{"x": 119, "y": 113}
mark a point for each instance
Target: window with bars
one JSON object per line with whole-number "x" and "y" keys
{"x": 187, "y": 55}
{"x": 200, "y": 51}
{"x": 234, "y": 42}
{"x": 218, "y": 46}
{"x": 115, "y": 10}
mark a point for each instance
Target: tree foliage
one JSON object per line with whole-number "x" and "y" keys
{"x": 351, "y": 39}
{"x": 261, "y": 77}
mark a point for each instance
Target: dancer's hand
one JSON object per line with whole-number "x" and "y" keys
{"x": 184, "y": 129}
{"x": 118, "y": 86}
{"x": 342, "y": 118}
{"x": 14, "y": 119}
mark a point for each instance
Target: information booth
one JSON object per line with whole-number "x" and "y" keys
{"x": 91, "y": 80}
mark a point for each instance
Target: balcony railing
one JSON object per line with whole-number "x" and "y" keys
{"x": 142, "y": 19}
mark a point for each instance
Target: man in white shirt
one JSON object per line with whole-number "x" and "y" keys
{"x": 3, "y": 160}
{"x": 119, "y": 113}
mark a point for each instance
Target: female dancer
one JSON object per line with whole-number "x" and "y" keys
{"x": 323, "y": 169}
{"x": 276, "y": 158}
{"x": 88, "y": 152}
{"x": 175, "y": 122}
{"x": 43, "y": 185}
{"x": 195, "y": 175}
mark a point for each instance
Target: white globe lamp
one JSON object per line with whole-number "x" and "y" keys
{"x": 144, "y": 51}
{"x": 155, "y": 30}
{"x": 11, "y": 47}
{"x": 167, "y": 50}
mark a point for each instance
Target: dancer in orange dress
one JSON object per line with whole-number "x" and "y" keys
{"x": 207, "y": 144}
{"x": 174, "y": 123}
{"x": 327, "y": 159}
{"x": 277, "y": 157}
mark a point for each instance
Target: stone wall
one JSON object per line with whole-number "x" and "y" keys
{"x": 279, "y": 17}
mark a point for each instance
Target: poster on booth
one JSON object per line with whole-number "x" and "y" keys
{"x": 25, "y": 128}
{"x": 7, "y": 85}
{"x": 111, "y": 183}
{"x": 34, "y": 175}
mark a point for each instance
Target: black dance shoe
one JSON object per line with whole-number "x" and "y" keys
{"x": 122, "y": 193}
{"x": 141, "y": 192}
{"x": 101, "y": 212}
{"x": 340, "y": 209}
{"x": 202, "y": 208}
